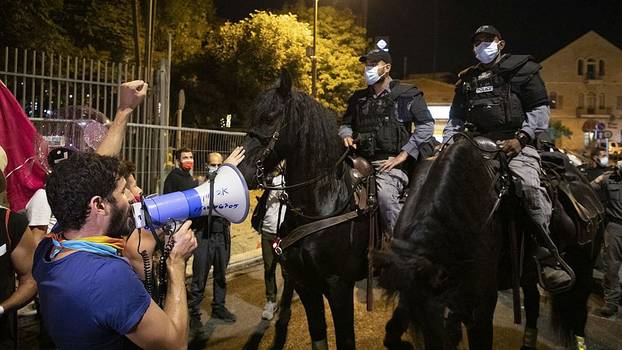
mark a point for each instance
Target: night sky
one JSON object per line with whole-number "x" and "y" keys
{"x": 536, "y": 27}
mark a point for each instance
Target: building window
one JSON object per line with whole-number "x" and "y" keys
{"x": 601, "y": 68}
{"x": 591, "y": 103}
{"x": 601, "y": 101}
{"x": 591, "y": 69}
{"x": 580, "y": 67}
{"x": 581, "y": 101}
{"x": 553, "y": 100}
{"x": 619, "y": 104}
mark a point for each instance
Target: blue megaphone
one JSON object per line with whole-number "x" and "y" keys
{"x": 231, "y": 201}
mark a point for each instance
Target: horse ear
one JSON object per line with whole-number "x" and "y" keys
{"x": 285, "y": 83}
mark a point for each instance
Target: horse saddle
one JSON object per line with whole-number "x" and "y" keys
{"x": 562, "y": 177}
{"x": 360, "y": 169}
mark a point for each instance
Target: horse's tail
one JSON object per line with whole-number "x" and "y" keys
{"x": 401, "y": 266}
{"x": 569, "y": 309}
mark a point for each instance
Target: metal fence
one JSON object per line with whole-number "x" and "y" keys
{"x": 151, "y": 147}
{"x": 56, "y": 91}
{"x": 48, "y": 83}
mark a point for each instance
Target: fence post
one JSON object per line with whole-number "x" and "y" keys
{"x": 164, "y": 115}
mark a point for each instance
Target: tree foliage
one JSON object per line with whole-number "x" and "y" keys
{"x": 222, "y": 66}
{"x": 557, "y": 130}
{"x": 341, "y": 43}
{"x": 252, "y": 52}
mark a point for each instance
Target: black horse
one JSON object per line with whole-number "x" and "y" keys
{"x": 288, "y": 124}
{"x": 446, "y": 258}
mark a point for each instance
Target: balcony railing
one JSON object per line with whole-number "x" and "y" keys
{"x": 600, "y": 111}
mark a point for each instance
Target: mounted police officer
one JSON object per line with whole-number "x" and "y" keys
{"x": 378, "y": 124}
{"x": 504, "y": 98}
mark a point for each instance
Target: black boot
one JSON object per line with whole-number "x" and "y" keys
{"x": 223, "y": 315}
{"x": 554, "y": 274}
{"x": 608, "y": 310}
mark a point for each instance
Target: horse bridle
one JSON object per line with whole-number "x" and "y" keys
{"x": 259, "y": 164}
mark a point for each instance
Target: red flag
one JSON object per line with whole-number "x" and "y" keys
{"x": 17, "y": 137}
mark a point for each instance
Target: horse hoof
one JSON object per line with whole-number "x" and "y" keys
{"x": 402, "y": 345}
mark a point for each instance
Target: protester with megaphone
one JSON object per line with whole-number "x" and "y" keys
{"x": 90, "y": 296}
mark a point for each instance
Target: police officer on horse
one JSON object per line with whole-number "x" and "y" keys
{"x": 504, "y": 98}
{"x": 378, "y": 122}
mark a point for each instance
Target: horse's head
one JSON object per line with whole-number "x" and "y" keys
{"x": 264, "y": 142}
{"x": 288, "y": 124}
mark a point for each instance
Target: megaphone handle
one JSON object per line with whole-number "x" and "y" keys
{"x": 212, "y": 177}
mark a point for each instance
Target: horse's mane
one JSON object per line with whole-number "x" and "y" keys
{"x": 309, "y": 125}
{"x": 441, "y": 223}
{"x": 454, "y": 190}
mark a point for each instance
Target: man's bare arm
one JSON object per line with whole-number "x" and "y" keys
{"x": 168, "y": 328}
{"x": 21, "y": 258}
{"x": 131, "y": 94}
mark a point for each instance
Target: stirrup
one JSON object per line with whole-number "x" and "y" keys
{"x": 564, "y": 267}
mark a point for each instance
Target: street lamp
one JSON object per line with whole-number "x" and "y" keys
{"x": 314, "y": 53}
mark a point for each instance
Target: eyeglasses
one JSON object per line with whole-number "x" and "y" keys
{"x": 212, "y": 164}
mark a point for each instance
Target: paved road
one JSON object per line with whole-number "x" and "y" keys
{"x": 246, "y": 299}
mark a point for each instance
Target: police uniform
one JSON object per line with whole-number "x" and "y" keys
{"x": 611, "y": 184}
{"x": 381, "y": 124}
{"x": 504, "y": 101}
{"x": 501, "y": 101}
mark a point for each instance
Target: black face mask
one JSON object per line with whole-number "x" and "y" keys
{"x": 121, "y": 222}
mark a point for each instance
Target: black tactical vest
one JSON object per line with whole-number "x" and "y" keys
{"x": 376, "y": 126}
{"x": 491, "y": 105}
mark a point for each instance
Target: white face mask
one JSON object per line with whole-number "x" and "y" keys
{"x": 211, "y": 168}
{"x": 486, "y": 52}
{"x": 604, "y": 161}
{"x": 371, "y": 75}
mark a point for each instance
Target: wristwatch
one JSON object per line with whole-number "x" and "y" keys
{"x": 522, "y": 137}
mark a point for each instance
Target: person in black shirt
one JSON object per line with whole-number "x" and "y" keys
{"x": 611, "y": 184}
{"x": 180, "y": 178}
{"x": 17, "y": 247}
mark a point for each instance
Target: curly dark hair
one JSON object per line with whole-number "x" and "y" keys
{"x": 75, "y": 181}
{"x": 126, "y": 168}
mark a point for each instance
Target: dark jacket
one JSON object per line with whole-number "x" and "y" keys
{"x": 179, "y": 180}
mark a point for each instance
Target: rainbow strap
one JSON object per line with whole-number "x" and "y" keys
{"x": 102, "y": 245}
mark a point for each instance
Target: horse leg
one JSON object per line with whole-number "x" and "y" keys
{"x": 577, "y": 297}
{"x": 480, "y": 333}
{"x": 313, "y": 302}
{"x": 341, "y": 304}
{"x": 397, "y": 325}
{"x": 532, "y": 313}
{"x": 440, "y": 327}
{"x": 569, "y": 309}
